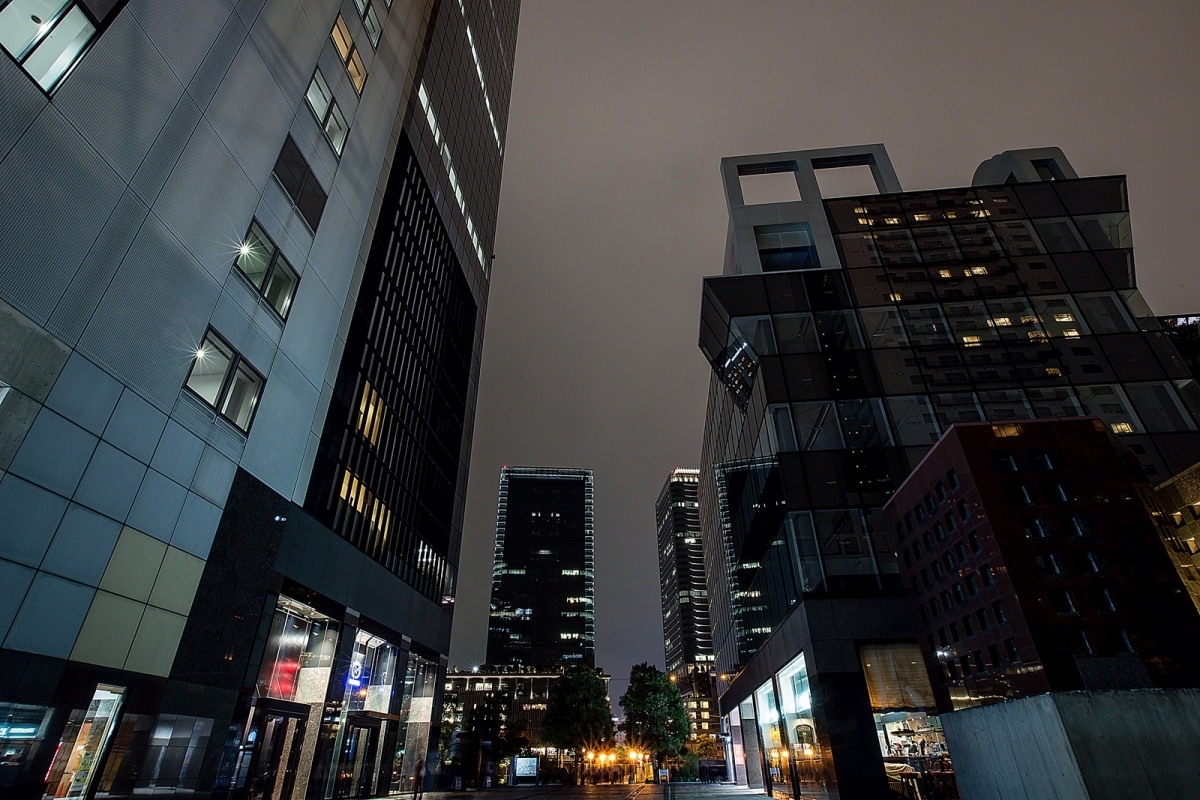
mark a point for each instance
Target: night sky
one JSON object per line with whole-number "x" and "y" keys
{"x": 612, "y": 210}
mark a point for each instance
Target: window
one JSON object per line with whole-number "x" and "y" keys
{"x": 371, "y": 412}
{"x": 1104, "y": 601}
{"x": 47, "y": 37}
{"x": 325, "y": 108}
{"x": 1011, "y": 646}
{"x": 267, "y": 270}
{"x": 1078, "y": 526}
{"x": 349, "y": 54}
{"x": 973, "y": 540}
{"x": 998, "y": 613}
{"x": 981, "y": 615}
{"x": 1063, "y": 602}
{"x": 301, "y": 185}
{"x": 952, "y": 479}
{"x": 985, "y": 573}
{"x": 370, "y": 20}
{"x": 224, "y": 380}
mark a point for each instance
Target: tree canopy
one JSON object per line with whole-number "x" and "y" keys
{"x": 655, "y": 717}
{"x": 578, "y": 714}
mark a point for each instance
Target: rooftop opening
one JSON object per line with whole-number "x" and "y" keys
{"x": 848, "y": 181}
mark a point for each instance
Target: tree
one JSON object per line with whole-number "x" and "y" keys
{"x": 578, "y": 714}
{"x": 708, "y": 748}
{"x": 655, "y": 717}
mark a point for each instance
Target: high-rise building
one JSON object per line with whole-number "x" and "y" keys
{"x": 844, "y": 337}
{"x": 687, "y": 632}
{"x": 1037, "y": 576}
{"x": 543, "y": 576}
{"x": 243, "y": 278}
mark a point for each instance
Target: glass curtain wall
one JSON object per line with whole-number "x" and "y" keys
{"x": 416, "y": 716}
{"x": 777, "y": 774}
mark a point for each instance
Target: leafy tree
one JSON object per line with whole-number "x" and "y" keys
{"x": 689, "y": 767}
{"x": 655, "y": 716}
{"x": 578, "y": 714}
{"x": 707, "y": 747}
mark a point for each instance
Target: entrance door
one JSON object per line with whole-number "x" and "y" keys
{"x": 356, "y": 768}
{"x": 276, "y": 740}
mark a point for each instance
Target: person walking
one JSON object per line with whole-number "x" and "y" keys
{"x": 418, "y": 779}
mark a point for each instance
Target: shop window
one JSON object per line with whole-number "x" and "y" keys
{"x": 796, "y": 717}
{"x": 348, "y": 52}
{"x": 325, "y": 109}
{"x": 225, "y": 381}
{"x": 261, "y": 262}
{"x": 48, "y": 37}
{"x": 296, "y": 178}
{"x": 83, "y": 743}
{"x": 902, "y": 704}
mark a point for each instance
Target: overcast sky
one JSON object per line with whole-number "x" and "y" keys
{"x": 612, "y": 210}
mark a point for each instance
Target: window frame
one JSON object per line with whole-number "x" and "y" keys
{"x": 272, "y": 263}
{"x": 351, "y": 55}
{"x": 331, "y": 109}
{"x": 31, "y": 48}
{"x": 236, "y": 362}
{"x": 368, "y": 6}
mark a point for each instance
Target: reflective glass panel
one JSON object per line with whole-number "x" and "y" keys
{"x": 254, "y": 255}
{"x": 242, "y": 398}
{"x": 23, "y": 22}
{"x": 211, "y": 365}
{"x": 1059, "y": 235}
{"x": 56, "y": 54}
{"x": 1110, "y": 404}
{"x": 883, "y": 327}
{"x": 336, "y": 128}
{"x": 816, "y": 426}
{"x": 319, "y": 97}
{"x": 913, "y": 420}
{"x": 796, "y": 333}
{"x": 1106, "y": 231}
{"x": 281, "y": 287}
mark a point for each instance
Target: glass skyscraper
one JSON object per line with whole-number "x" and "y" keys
{"x": 243, "y": 276}
{"x": 687, "y": 630}
{"x": 844, "y": 336}
{"x": 543, "y": 577}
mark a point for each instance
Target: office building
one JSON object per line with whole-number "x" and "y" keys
{"x": 543, "y": 576}
{"x": 1034, "y": 566}
{"x": 845, "y": 336}
{"x": 687, "y": 631}
{"x": 243, "y": 277}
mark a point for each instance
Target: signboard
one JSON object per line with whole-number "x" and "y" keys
{"x": 526, "y": 767}
{"x": 664, "y": 776}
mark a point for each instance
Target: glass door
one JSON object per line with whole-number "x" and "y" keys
{"x": 81, "y": 749}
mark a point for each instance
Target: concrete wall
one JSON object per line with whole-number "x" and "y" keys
{"x": 1079, "y": 746}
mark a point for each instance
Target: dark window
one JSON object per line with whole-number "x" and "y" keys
{"x": 968, "y": 628}
{"x": 1092, "y": 562}
{"x": 981, "y": 616}
{"x": 973, "y": 540}
{"x": 965, "y": 663}
{"x": 1061, "y": 493}
{"x": 225, "y": 381}
{"x": 300, "y": 184}
{"x": 940, "y": 490}
{"x": 948, "y": 560}
{"x": 954, "y": 634}
{"x": 927, "y": 537}
{"x": 952, "y": 479}
{"x": 939, "y": 530}
{"x": 946, "y": 602}
{"x": 1103, "y": 600}
{"x": 1078, "y": 526}
{"x": 977, "y": 657}
{"x": 1011, "y": 646}
{"x": 925, "y": 578}
{"x": 951, "y": 521}
{"x": 985, "y": 573}
{"x": 919, "y": 513}
{"x": 952, "y": 670}
{"x": 907, "y": 558}
{"x": 1005, "y": 462}
{"x": 267, "y": 270}
{"x": 960, "y": 552}
{"x": 998, "y": 612}
{"x": 1063, "y": 602}
{"x": 937, "y": 569}
{"x": 924, "y": 615}
{"x": 964, "y": 510}
{"x": 1019, "y": 494}
{"x": 908, "y": 523}
{"x": 942, "y": 637}
{"x": 1083, "y": 644}
{"x": 972, "y": 585}
{"x": 960, "y": 594}
{"x": 994, "y": 655}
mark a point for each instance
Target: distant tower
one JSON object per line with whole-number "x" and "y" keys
{"x": 687, "y": 629}
{"x": 543, "y": 578}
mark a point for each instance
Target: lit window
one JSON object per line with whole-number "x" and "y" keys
{"x": 1071, "y": 333}
{"x": 895, "y": 297}
{"x": 370, "y": 20}
{"x": 1053, "y": 372}
{"x": 971, "y": 341}
{"x": 359, "y": 498}
{"x": 1000, "y": 322}
{"x": 860, "y": 210}
{"x": 1064, "y": 317}
{"x": 370, "y": 414}
{"x": 267, "y": 270}
{"x": 224, "y": 380}
{"x": 891, "y": 220}
{"x": 1038, "y": 336}
{"x": 46, "y": 37}
{"x": 333, "y": 122}
{"x": 922, "y": 217}
{"x": 944, "y": 273}
{"x": 1004, "y": 431}
{"x": 979, "y": 270}
{"x": 1122, "y": 427}
{"x": 349, "y": 54}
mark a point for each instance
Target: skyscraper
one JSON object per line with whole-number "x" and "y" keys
{"x": 844, "y": 336}
{"x": 243, "y": 278}
{"x": 687, "y": 632}
{"x": 543, "y": 576}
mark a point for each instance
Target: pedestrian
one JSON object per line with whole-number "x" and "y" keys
{"x": 418, "y": 778}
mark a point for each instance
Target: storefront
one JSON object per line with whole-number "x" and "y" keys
{"x": 793, "y": 763}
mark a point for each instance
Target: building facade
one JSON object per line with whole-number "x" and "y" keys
{"x": 243, "y": 278}
{"x": 687, "y": 630}
{"x": 543, "y": 576}
{"x": 1050, "y": 574}
{"x": 844, "y": 337}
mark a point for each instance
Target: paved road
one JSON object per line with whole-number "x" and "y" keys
{"x": 673, "y": 791}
